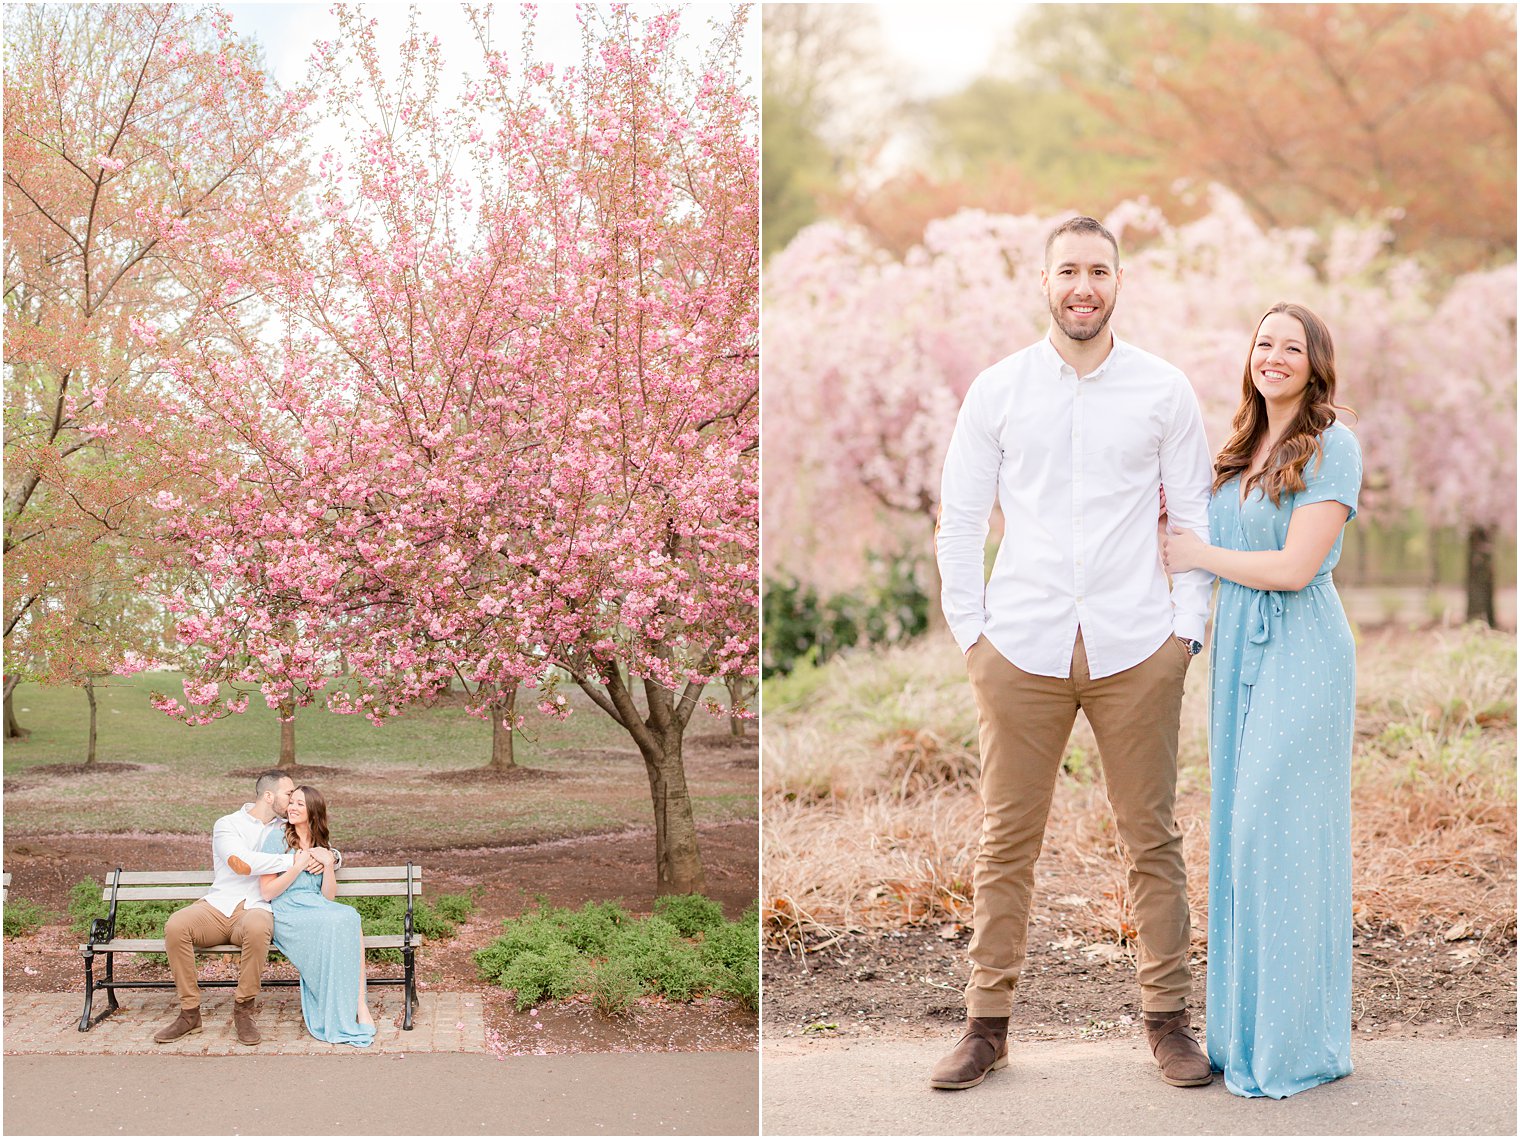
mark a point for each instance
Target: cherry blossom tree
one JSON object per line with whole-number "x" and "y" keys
{"x": 130, "y": 132}
{"x": 510, "y": 421}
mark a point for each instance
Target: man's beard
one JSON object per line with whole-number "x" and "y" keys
{"x": 1077, "y": 331}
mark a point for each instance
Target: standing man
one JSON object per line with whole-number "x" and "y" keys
{"x": 1074, "y": 437}
{"x": 234, "y": 911}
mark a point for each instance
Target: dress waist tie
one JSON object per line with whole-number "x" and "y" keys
{"x": 1263, "y": 621}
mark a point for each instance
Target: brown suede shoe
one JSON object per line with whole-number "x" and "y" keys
{"x": 1182, "y": 1062}
{"x": 983, "y": 1049}
{"x": 186, "y": 1023}
{"x": 242, "y": 1021}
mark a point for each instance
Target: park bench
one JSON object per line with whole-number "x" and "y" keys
{"x": 5, "y": 887}
{"x": 189, "y": 885}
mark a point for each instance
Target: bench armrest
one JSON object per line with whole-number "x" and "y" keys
{"x": 101, "y": 931}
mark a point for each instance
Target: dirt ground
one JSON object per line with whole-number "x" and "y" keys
{"x": 569, "y": 872}
{"x": 902, "y": 982}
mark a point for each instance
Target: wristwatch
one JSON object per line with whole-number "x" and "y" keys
{"x": 1193, "y": 647}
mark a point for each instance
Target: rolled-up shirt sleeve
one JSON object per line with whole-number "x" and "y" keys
{"x": 1186, "y": 473}
{"x": 968, "y": 490}
{"x": 225, "y": 840}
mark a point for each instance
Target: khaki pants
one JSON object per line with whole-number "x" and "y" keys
{"x": 1025, "y": 721}
{"x": 203, "y": 924}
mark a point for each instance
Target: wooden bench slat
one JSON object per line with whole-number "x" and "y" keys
{"x": 190, "y": 893}
{"x": 203, "y": 877}
{"x": 156, "y": 945}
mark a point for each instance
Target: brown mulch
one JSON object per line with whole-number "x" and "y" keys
{"x": 495, "y": 775}
{"x": 46, "y": 770}
{"x": 1415, "y": 984}
{"x": 298, "y": 772}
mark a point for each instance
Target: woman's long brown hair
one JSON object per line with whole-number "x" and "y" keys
{"x": 316, "y": 818}
{"x": 1283, "y": 472}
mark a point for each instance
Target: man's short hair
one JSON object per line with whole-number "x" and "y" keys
{"x": 269, "y": 781}
{"x": 1081, "y": 224}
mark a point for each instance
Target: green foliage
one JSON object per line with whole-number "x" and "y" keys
{"x": 801, "y": 627}
{"x": 22, "y": 917}
{"x": 553, "y": 972}
{"x": 731, "y": 953}
{"x": 796, "y": 171}
{"x": 655, "y": 952}
{"x": 591, "y": 928}
{"x": 599, "y": 950}
{"x": 528, "y": 934}
{"x": 133, "y": 919}
{"x": 434, "y": 919}
{"x": 614, "y": 986}
{"x": 691, "y": 914}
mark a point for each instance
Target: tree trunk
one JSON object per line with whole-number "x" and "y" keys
{"x": 741, "y": 690}
{"x": 678, "y": 863}
{"x": 1480, "y": 575}
{"x": 13, "y": 730}
{"x": 503, "y": 712}
{"x": 89, "y": 694}
{"x": 287, "y": 735}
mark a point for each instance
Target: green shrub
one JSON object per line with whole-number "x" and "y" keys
{"x": 22, "y": 917}
{"x": 691, "y": 914}
{"x": 550, "y": 953}
{"x": 532, "y": 933}
{"x": 553, "y": 972}
{"x": 654, "y": 951}
{"x": 800, "y": 627}
{"x": 456, "y": 907}
{"x": 435, "y": 919}
{"x": 614, "y": 986}
{"x": 592, "y": 928}
{"x": 133, "y": 919}
{"x": 731, "y": 954}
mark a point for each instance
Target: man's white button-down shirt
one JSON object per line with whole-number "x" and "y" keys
{"x": 241, "y": 834}
{"x": 1076, "y": 464}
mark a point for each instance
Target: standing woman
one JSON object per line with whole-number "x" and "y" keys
{"x": 1283, "y": 695}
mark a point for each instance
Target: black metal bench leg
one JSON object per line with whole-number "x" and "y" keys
{"x": 86, "y": 1021}
{"x": 410, "y": 990}
{"x": 89, "y": 991}
{"x": 110, "y": 985}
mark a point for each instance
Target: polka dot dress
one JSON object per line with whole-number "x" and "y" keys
{"x": 1283, "y": 684}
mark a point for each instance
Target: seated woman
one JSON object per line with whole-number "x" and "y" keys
{"x": 320, "y": 936}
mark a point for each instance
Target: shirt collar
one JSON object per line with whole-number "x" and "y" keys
{"x": 248, "y": 810}
{"x": 1049, "y": 354}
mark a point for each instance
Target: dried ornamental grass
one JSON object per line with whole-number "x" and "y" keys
{"x": 872, "y": 822}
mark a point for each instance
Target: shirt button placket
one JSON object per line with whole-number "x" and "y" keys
{"x": 1078, "y": 577}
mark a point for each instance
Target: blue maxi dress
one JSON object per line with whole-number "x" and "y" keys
{"x": 322, "y": 938}
{"x": 1283, "y": 687}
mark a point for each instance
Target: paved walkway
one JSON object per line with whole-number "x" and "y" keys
{"x": 49, "y": 1022}
{"x": 438, "y": 1079}
{"x": 1108, "y": 1087}
{"x": 592, "y": 1093}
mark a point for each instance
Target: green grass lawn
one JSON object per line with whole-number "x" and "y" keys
{"x": 589, "y": 777}
{"x": 131, "y": 731}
